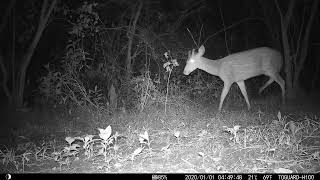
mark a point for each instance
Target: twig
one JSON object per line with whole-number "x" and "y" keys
{"x": 231, "y": 26}
{"x": 252, "y": 147}
{"x": 224, "y": 27}
{"x": 274, "y": 161}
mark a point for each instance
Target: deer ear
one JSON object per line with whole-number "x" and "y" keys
{"x": 189, "y": 54}
{"x": 201, "y": 50}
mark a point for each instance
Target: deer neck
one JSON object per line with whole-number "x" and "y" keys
{"x": 210, "y": 66}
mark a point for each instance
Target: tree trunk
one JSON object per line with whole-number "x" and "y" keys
{"x": 5, "y": 17}
{"x": 4, "y": 78}
{"x": 285, "y": 23}
{"x": 131, "y": 31}
{"x": 304, "y": 48}
{"x": 316, "y": 74}
{"x": 4, "y": 71}
{"x": 288, "y": 64}
{"x": 18, "y": 91}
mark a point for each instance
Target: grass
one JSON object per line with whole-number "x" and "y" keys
{"x": 189, "y": 138}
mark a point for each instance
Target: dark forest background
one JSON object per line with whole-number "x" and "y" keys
{"x": 102, "y": 53}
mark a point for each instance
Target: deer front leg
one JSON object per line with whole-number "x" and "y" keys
{"x": 224, "y": 93}
{"x": 242, "y": 87}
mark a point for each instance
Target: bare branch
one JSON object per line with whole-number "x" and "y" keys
{"x": 290, "y": 11}
{"x": 52, "y": 5}
{"x": 39, "y": 31}
{"x": 224, "y": 27}
{"x": 43, "y": 10}
{"x": 279, "y": 10}
{"x": 285, "y": 19}
{"x": 231, "y": 26}
{"x": 131, "y": 31}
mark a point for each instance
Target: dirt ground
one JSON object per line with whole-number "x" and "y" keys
{"x": 180, "y": 142}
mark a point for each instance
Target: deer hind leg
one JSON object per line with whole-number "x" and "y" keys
{"x": 266, "y": 84}
{"x": 281, "y": 82}
{"x": 224, "y": 93}
{"x": 242, "y": 87}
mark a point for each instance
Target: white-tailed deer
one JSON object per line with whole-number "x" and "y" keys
{"x": 239, "y": 67}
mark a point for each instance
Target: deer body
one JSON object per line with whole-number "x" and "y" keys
{"x": 239, "y": 67}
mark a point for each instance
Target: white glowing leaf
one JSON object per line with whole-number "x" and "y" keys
{"x": 105, "y": 133}
{"x": 283, "y": 171}
{"x": 177, "y": 134}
